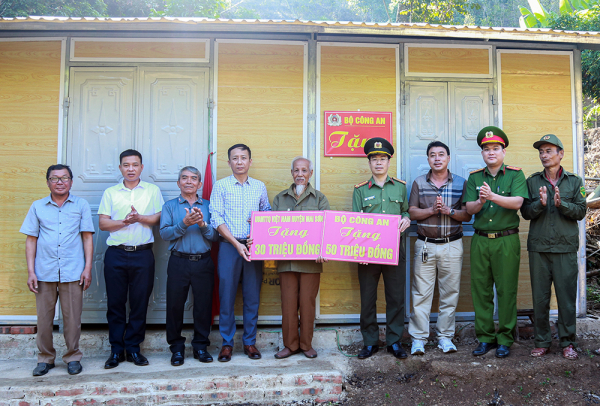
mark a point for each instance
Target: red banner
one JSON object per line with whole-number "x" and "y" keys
{"x": 346, "y": 132}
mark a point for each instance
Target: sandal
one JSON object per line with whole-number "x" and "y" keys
{"x": 539, "y": 352}
{"x": 570, "y": 353}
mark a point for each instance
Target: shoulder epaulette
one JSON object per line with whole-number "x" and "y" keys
{"x": 401, "y": 181}
{"x": 361, "y": 184}
{"x": 477, "y": 170}
{"x": 535, "y": 174}
{"x": 514, "y": 168}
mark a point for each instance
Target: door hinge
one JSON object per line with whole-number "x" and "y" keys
{"x": 494, "y": 100}
{"x": 67, "y": 103}
{"x": 404, "y": 99}
{"x": 210, "y": 104}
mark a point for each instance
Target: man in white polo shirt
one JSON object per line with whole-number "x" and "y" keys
{"x": 128, "y": 211}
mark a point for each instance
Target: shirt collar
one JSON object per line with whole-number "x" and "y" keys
{"x": 561, "y": 174}
{"x": 502, "y": 169}
{"x": 387, "y": 179}
{"x": 48, "y": 199}
{"x": 141, "y": 185}
{"x": 181, "y": 199}
{"x": 234, "y": 180}
{"x": 428, "y": 176}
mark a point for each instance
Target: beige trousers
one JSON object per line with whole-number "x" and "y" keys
{"x": 71, "y": 300}
{"x": 444, "y": 263}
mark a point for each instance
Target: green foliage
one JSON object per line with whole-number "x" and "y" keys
{"x": 188, "y": 8}
{"x": 539, "y": 16}
{"x": 435, "y": 11}
{"x": 586, "y": 20}
{"x": 64, "y": 8}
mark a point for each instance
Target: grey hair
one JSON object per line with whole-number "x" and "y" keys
{"x": 298, "y": 158}
{"x": 192, "y": 169}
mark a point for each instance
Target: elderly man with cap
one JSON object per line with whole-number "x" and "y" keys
{"x": 386, "y": 195}
{"x": 494, "y": 195}
{"x": 299, "y": 280}
{"x": 556, "y": 203}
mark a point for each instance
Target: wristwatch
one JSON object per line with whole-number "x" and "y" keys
{"x": 452, "y": 212}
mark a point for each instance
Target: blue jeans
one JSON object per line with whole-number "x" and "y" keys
{"x": 232, "y": 267}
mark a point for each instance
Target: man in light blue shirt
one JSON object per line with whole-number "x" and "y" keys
{"x": 59, "y": 250}
{"x": 233, "y": 200}
{"x": 185, "y": 223}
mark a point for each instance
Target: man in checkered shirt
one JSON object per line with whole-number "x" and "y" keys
{"x": 232, "y": 202}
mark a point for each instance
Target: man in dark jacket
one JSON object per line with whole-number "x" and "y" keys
{"x": 556, "y": 202}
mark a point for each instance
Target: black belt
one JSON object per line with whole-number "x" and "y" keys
{"x": 498, "y": 235}
{"x": 440, "y": 240}
{"x": 240, "y": 240}
{"x": 191, "y": 257}
{"x": 133, "y": 248}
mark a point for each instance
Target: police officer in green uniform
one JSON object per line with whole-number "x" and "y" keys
{"x": 494, "y": 195}
{"x": 386, "y": 195}
{"x": 556, "y": 202}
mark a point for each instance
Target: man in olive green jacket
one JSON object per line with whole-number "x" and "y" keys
{"x": 299, "y": 280}
{"x": 556, "y": 202}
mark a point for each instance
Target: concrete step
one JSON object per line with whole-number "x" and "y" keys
{"x": 265, "y": 381}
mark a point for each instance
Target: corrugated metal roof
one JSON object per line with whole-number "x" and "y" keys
{"x": 329, "y": 27}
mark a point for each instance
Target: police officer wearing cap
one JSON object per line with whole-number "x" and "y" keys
{"x": 386, "y": 195}
{"x": 494, "y": 195}
{"x": 556, "y": 202}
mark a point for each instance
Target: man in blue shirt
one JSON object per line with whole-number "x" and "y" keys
{"x": 185, "y": 223}
{"x": 59, "y": 250}
{"x": 233, "y": 200}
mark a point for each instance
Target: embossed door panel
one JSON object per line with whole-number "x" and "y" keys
{"x": 101, "y": 125}
{"x": 173, "y": 134}
{"x": 470, "y": 111}
{"x": 427, "y": 121}
{"x": 161, "y": 112}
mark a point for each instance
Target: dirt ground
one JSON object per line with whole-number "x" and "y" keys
{"x": 462, "y": 379}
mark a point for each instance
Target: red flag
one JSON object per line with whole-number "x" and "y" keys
{"x": 206, "y": 191}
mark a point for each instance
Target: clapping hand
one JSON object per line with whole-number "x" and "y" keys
{"x": 543, "y": 195}
{"x": 557, "y": 201}
{"x": 133, "y": 217}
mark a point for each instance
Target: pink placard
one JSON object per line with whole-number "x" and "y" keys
{"x": 285, "y": 235}
{"x": 361, "y": 237}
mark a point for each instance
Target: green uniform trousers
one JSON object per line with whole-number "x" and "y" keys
{"x": 560, "y": 268}
{"x": 495, "y": 261}
{"x": 394, "y": 278}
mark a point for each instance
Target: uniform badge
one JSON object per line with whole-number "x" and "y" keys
{"x": 582, "y": 190}
{"x": 547, "y": 137}
{"x": 370, "y": 198}
{"x": 334, "y": 120}
{"x": 378, "y": 145}
{"x": 489, "y": 134}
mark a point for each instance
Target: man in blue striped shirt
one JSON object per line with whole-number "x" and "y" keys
{"x": 232, "y": 202}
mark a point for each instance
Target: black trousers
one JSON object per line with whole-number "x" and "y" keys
{"x": 181, "y": 273}
{"x": 127, "y": 273}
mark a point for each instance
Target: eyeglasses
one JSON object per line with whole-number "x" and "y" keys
{"x": 64, "y": 179}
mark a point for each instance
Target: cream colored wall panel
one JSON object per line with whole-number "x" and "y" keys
{"x": 29, "y": 110}
{"x": 448, "y": 60}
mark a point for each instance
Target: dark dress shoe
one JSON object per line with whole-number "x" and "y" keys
{"x": 203, "y": 356}
{"x": 286, "y": 352}
{"x": 483, "y": 348}
{"x": 137, "y": 358}
{"x": 252, "y": 352}
{"x": 42, "y": 369}
{"x": 114, "y": 359}
{"x": 367, "y": 351}
{"x": 225, "y": 354}
{"x": 502, "y": 351}
{"x": 177, "y": 359}
{"x": 397, "y": 350}
{"x": 74, "y": 367}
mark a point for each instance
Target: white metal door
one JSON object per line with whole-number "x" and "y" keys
{"x": 161, "y": 112}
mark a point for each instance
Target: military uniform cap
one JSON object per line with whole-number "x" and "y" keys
{"x": 378, "y": 145}
{"x": 548, "y": 139}
{"x": 490, "y": 134}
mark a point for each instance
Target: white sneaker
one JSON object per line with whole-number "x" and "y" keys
{"x": 418, "y": 347}
{"x": 446, "y": 345}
